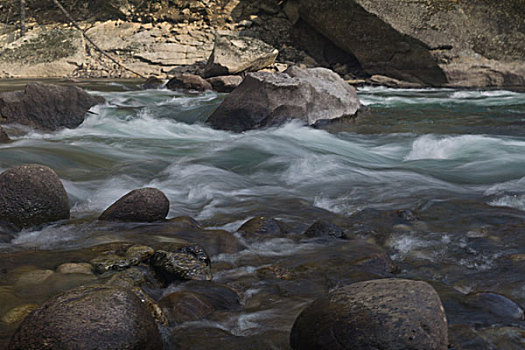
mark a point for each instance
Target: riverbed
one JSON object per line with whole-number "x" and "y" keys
{"x": 434, "y": 178}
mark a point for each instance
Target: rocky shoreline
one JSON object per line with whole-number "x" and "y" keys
{"x": 413, "y": 44}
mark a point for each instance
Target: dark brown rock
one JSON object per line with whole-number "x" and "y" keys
{"x": 262, "y": 225}
{"x": 142, "y": 205}
{"x": 32, "y": 195}
{"x": 46, "y": 106}
{"x": 185, "y": 306}
{"x": 391, "y": 314}
{"x": 188, "y": 263}
{"x": 264, "y": 99}
{"x": 3, "y": 136}
{"x": 96, "y": 317}
{"x": 186, "y": 81}
{"x": 225, "y": 83}
{"x": 152, "y": 83}
{"x": 322, "y": 228}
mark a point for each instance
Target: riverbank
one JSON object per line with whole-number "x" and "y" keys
{"x": 411, "y": 45}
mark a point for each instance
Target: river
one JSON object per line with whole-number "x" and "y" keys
{"x": 435, "y": 177}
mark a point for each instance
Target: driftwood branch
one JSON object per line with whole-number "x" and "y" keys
{"x": 75, "y": 24}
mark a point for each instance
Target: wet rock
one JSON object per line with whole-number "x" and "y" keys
{"x": 4, "y": 138}
{"x": 129, "y": 278}
{"x": 496, "y": 304}
{"x": 7, "y": 231}
{"x": 382, "y": 314}
{"x": 46, "y": 106}
{"x": 187, "y": 81}
{"x": 93, "y": 317}
{"x": 262, "y": 225}
{"x": 234, "y": 54}
{"x": 34, "y": 277}
{"x": 464, "y": 337}
{"x": 17, "y": 314}
{"x": 220, "y": 296}
{"x": 152, "y": 83}
{"x": 108, "y": 262}
{"x": 323, "y": 228}
{"x": 142, "y": 205}
{"x": 151, "y": 305}
{"x": 185, "y": 221}
{"x": 80, "y": 268}
{"x": 138, "y": 253}
{"x": 32, "y": 195}
{"x": 225, "y": 83}
{"x": 186, "y": 306}
{"x": 264, "y": 99}
{"x": 191, "y": 338}
{"x": 178, "y": 265}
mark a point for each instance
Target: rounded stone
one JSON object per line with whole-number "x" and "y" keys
{"x": 95, "y": 317}
{"x": 78, "y": 268}
{"x": 186, "y": 306}
{"x": 32, "y": 195}
{"x": 389, "y": 314}
{"x": 141, "y": 205}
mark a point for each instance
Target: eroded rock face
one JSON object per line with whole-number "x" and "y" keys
{"x": 234, "y": 54}
{"x": 378, "y": 314}
{"x": 31, "y": 195}
{"x": 141, "y": 205}
{"x": 46, "y": 106}
{"x": 95, "y": 317}
{"x": 426, "y": 42}
{"x": 265, "y": 99}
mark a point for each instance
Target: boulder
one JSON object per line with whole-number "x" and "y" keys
{"x": 264, "y": 99}
{"x": 234, "y": 54}
{"x": 95, "y": 317}
{"x": 32, "y": 195}
{"x": 426, "y": 42}
{"x": 262, "y": 225}
{"x": 4, "y": 138}
{"x": 379, "y": 314}
{"x": 47, "y": 106}
{"x": 186, "y": 81}
{"x": 141, "y": 205}
{"x": 225, "y": 83}
{"x": 152, "y": 83}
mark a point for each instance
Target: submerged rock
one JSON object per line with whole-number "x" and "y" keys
{"x": 186, "y": 81}
{"x": 234, "y": 54}
{"x": 323, "y": 228}
{"x": 46, "y": 106}
{"x": 95, "y": 317}
{"x": 378, "y": 314}
{"x": 186, "y": 306}
{"x": 496, "y": 304}
{"x": 264, "y": 99}
{"x": 225, "y": 83}
{"x": 32, "y": 195}
{"x": 142, "y": 205}
{"x": 262, "y": 225}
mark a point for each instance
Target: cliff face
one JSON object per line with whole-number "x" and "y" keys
{"x": 437, "y": 42}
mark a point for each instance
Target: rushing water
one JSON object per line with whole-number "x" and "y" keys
{"x": 454, "y": 160}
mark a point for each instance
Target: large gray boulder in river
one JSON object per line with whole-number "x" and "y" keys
{"x": 94, "y": 317}
{"x": 142, "y": 205}
{"x": 269, "y": 99}
{"x": 392, "y": 314}
{"x": 32, "y": 195}
{"x": 46, "y": 106}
